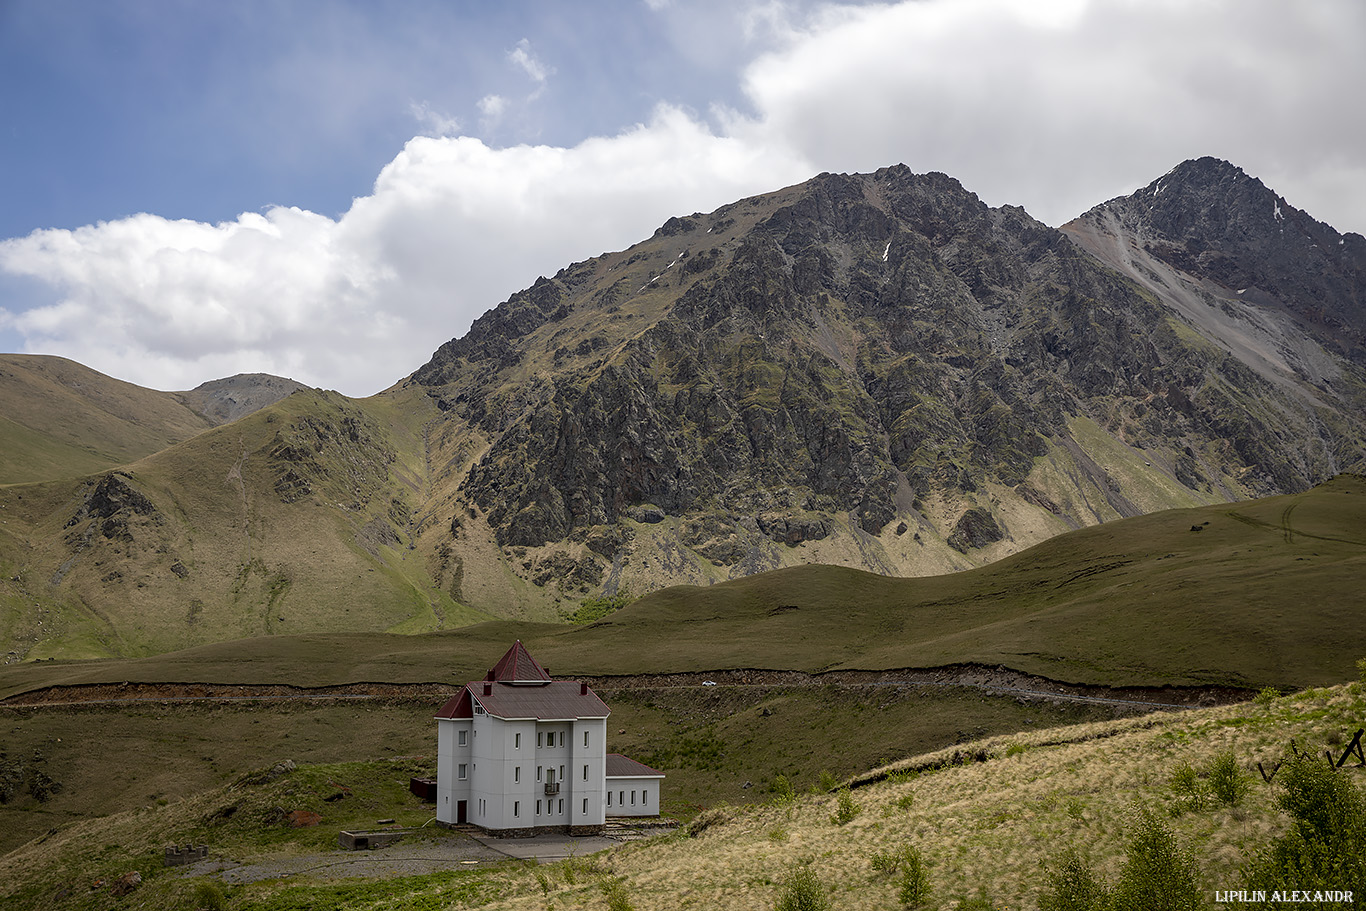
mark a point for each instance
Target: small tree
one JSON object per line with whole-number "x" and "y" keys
{"x": 801, "y": 890}
{"x": 1326, "y": 845}
{"x": 914, "y": 888}
{"x": 845, "y": 808}
{"x": 1157, "y": 875}
{"x": 1226, "y": 780}
{"x": 1073, "y": 886}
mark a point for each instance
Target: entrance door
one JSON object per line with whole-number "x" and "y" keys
{"x": 460, "y": 811}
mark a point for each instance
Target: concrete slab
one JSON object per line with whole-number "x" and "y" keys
{"x": 547, "y": 849}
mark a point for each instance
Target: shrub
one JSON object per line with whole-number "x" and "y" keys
{"x": 1191, "y": 792}
{"x": 783, "y": 790}
{"x": 1073, "y": 886}
{"x": 845, "y": 809}
{"x": 802, "y": 891}
{"x": 614, "y": 890}
{"x": 208, "y": 896}
{"x": 1226, "y": 780}
{"x": 1326, "y": 845}
{"x": 828, "y": 782}
{"x": 1157, "y": 874}
{"x": 905, "y": 801}
{"x": 890, "y": 861}
{"x": 1015, "y": 749}
{"x": 914, "y": 888}
{"x": 1267, "y": 695}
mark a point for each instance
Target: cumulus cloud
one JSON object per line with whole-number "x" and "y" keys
{"x": 452, "y": 227}
{"x": 436, "y": 122}
{"x": 1052, "y": 105}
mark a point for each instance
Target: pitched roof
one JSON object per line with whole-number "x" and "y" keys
{"x": 560, "y": 700}
{"x": 518, "y": 667}
{"x": 458, "y": 706}
{"x": 619, "y": 766}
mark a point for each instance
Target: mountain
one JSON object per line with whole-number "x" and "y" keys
{"x": 881, "y": 371}
{"x": 875, "y": 371}
{"x": 62, "y": 419}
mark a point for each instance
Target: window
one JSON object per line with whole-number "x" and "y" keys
{"x": 538, "y": 773}
{"x": 633, "y": 798}
{"x": 516, "y": 741}
{"x": 609, "y": 798}
{"x": 585, "y": 773}
{"x": 585, "y": 738}
{"x": 561, "y": 773}
{"x": 463, "y": 772}
{"x": 478, "y": 709}
{"x": 539, "y": 735}
{"x": 561, "y": 805}
{"x": 538, "y": 808}
{"x": 461, "y": 737}
{"x": 517, "y": 807}
{"x": 516, "y": 773}
{"x": 621, "y": 798}
{"x": 644, "y": 798}
{"x": 585, "y": 805}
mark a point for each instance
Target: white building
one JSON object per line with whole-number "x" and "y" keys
{"x": 519, "y": 754}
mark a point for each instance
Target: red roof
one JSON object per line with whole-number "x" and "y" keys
{"x": 458, "y": 706}
{"x": 518, "y": 687}
{"x": 561, "y": 700}
{"x": 619, "y": 766}
{"x": 518, "y": 667}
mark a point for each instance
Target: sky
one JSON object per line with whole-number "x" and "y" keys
{"x": 330, "y": 189}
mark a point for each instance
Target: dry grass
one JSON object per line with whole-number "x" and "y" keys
{"x": 992, "y": 824}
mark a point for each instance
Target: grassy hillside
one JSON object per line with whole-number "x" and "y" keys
{"x": 988, "y": 830}
{"x": 296, "y": 518}
{"x": 59, "y": 419}
{"x": 1256, "y": 594}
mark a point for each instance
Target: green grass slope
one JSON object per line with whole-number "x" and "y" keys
{"x": 1263, "y": 593}
{"x": 297, "y": 518}
{"x": 59, "y": 419}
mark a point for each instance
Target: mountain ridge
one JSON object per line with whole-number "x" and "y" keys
{"x": 874, "y": 370}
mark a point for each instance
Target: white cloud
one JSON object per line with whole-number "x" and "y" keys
{"x": 523, "y": 57}
{"x": 1053, "y": 106}
{"x": 452, "y": 227}
{"x": 435, "y": 122}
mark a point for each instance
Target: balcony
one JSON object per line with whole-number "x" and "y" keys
{"x": 552, "y": 788}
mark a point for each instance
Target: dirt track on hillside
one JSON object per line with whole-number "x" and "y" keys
{"x": 995, "y": 680}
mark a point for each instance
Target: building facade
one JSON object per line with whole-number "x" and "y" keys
{"x": 520, "y": 754}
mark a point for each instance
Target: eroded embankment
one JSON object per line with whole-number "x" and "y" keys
{"x": 1001, "y": 681}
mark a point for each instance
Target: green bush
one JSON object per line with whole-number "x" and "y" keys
{"x": 801, "y": 890}
{"x": 1227, "y": 782}
{"x": 890, "y": 861}
{"x": 1326, "y": 845}
{"x": 845, "y": 808}
{"x": 905, "y": 801}
{"x": 1190, "y": 790}
{"x": 914, "y": 888}
{"x": 1158, "y": 875}
{"x": 1073, "y": 886}
{"x": 1267, "y": 695}
{"x": 208, "y": 896}
{"x": 783, "y": 790}
{"x": 614, "y": 890}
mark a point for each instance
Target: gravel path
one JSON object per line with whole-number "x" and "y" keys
{"x": 444, "y": 852}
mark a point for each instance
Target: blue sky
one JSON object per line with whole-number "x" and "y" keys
{"x": 330, "y": 190}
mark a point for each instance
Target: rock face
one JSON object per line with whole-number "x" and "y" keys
{"x": 830, "y": 359}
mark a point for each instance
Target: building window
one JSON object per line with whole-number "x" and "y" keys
{"x": 609, "y": 798}
{"x": 516, "y": 741}
{"x": 585, "y": 738}
{"x": 461, "y": 737}
{"x": 621, "y": 798}
{"x": 516, "y": 773}
{"x": 478, "y": 709}
{"x": 644, "y": 798}
{"x": 538, "y": 739}
{"x": 585, "y": 806}
{"x": 585, "y": 773}
{"x": 462, "y": 773}
{"x": 517, "y": 807}
{"x": 538, "y": 773}
{"x": 633, "y": 798}
{"x": 561, "y": 773}
{"x": 561, "y": 806}
{"x": 538, "y": 808}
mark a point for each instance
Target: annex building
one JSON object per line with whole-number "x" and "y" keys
{"x": 521, "y": 754}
